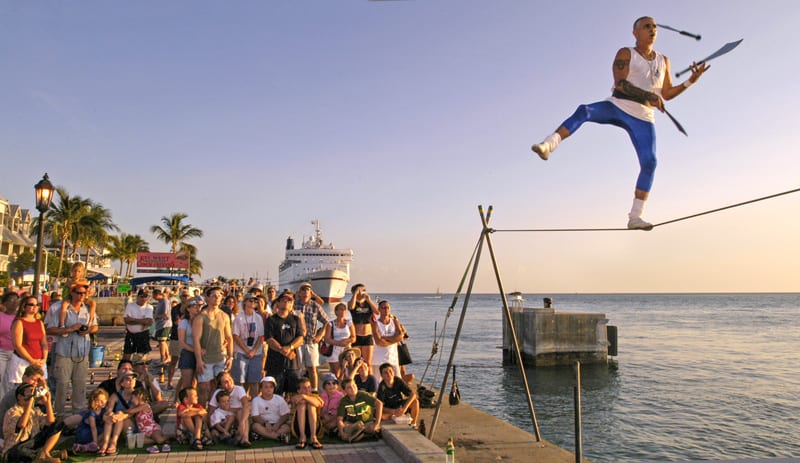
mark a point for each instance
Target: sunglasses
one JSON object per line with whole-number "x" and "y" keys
{"x": 32, "y": 305}
{"x": 80, "y": 293}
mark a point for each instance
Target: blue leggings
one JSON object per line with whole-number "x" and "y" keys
{"x": 642, "y": 133}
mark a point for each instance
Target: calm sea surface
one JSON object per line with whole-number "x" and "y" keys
{"x": 698, "y": 376}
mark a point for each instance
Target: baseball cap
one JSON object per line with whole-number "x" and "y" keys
{"x": 269, "y": 379}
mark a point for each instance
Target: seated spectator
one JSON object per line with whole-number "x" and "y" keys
{"x": 191, "y": 419}
{"x": 398, "y": 399}
{"x": 146, "y": 422}
{"x": 150, "y": 387}
{"x": 306, "y": 412}
{"x": 364, "y": 380}
{"x": 223, "y": 419}
{"x": 347, "y": 363}
{"x": 32, "y": 375}
{"x": 359, "y": 413}
{"x": 240, "y": 405}
{"x": 89, "y": 433}
{"x": 331, "y": 395}
{"x": 112, "y": 385}
{"x": 270, "y": 413}
{"x": 120, "y": 414}
{"x": 29, "y": 433}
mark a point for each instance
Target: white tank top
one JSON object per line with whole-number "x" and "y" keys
{"x": 647, "y": 75}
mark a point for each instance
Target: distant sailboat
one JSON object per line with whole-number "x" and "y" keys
{"x": 437, "y": 295}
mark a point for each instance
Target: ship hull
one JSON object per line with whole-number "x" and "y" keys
{"x": 331, "y": 285}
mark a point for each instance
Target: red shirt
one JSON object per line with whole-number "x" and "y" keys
{"x": 32, "y": 335}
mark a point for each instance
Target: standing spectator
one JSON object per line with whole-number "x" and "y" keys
{"x": 213, "y": 343}
{"x": 362, "y": 311}
{"x": 188, "y": 362}
{"x": 30, "y": 342}
{"x": 340, "y": 333}
{"x": 138, "y": 318}
{"x": 284, "y": 332}
{"x": 388, "y": 332}
{"x": 307, "y": 304}
{"x": 248, "y": 347}
{"x": 71, "y": 346}
{"x": 177, "y": 313}
{"x": 271, "y": 295}
{"x": 163, "y": 319}
{"x": 8, "y": 313}
{"x": 229, "y": 307}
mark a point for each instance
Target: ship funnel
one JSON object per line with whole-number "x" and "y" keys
{"x": 289, "y": 243}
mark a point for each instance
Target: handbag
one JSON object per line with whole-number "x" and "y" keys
{"x": 325, "y": 348}
{"x": 403, "y": 355}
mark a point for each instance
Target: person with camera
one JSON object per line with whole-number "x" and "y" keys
{"x": 30, "y": 433}
{"x": 71, "y": 346}
{"x": 248, "y": 347}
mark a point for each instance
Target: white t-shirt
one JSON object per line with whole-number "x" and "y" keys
{"x": 134, "y": 310}
{"x": 219, "y": 416}
{"x": 237, "y": 394}
{"x": 269, "y": 410}
{"x": 242, "y": 325}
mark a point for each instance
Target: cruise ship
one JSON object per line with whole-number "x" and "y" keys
{"x": 322, "y": 265}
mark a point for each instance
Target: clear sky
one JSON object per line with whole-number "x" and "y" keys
{"x": 390, "y": 121}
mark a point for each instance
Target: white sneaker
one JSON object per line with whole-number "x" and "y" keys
{"x": 637, "y": 223}
{"x": 542, "y": 149}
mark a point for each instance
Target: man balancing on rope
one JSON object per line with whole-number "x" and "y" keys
{"x": 641, "y": 82}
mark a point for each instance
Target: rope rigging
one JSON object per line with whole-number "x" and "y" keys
{"x": 711, "y": 211}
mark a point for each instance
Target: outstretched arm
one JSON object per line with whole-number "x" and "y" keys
{"x": 668, "y": 91}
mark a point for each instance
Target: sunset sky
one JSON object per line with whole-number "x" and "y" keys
{"x": 390, "y": 121}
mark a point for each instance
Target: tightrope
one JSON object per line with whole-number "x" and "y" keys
{"x": 711, "y": 211}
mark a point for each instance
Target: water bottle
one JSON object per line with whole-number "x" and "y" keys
{"x": 450, "y": 451}
{"x": 131, "y": 438}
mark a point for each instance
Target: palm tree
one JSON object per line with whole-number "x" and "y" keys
{"x": 62, "y": 219}
{"x": 174, "y": 231}
{"x": 94, "y": 227}
{"x": 124, "y": 248}
{"x": 195, "y": 266}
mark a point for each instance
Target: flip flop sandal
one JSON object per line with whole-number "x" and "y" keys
{"x": 300, "y": 445}
{"x": 316, "y": 445}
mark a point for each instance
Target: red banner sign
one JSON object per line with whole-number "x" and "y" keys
{"x": 161, "y": 260}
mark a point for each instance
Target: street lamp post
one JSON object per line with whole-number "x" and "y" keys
{"x": 44, "y": 194}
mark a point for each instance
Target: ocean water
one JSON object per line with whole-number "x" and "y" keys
{"x": 698, "y": 376}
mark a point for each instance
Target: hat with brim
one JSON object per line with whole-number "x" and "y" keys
{"x": 269, "y": 379}
{"x": 79, "y": 283}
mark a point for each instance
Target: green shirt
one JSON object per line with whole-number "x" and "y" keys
{"x": 358, "y": 409}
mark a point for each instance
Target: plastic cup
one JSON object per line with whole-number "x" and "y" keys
{"x": 131, "y": 440}
{"x": 139, "y": 440}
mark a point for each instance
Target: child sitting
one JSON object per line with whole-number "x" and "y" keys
{"x": 90, "y": 428}
{"x": 147, "y": 423}
{"x": 270, "y": 413}
{"x": 223, "y": 419}
{"x": 191, "y": 416}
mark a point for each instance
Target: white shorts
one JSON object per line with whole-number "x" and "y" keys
{"x": 309, "y": 353}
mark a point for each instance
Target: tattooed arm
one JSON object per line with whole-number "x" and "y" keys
{"x": 620, "y": 69}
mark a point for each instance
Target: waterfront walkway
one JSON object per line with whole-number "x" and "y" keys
{"x": 393, "y": 448}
